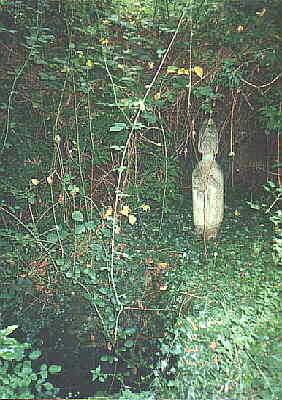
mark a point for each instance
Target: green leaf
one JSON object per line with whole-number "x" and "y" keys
{"x": 80, "y": 229}
{"x": 54, "y": 369}
{"x": 118, "y": 126}
{"x": 7, "y": 331}
{"x": 52, "y": 238}
{"x": 90, "y": 225}
{"x": 77, "y": 216}
{"x": 129, "y": 343}
{"x": 35, "y": 354}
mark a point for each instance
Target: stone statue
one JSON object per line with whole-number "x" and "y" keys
{"x": 208, "y": 184}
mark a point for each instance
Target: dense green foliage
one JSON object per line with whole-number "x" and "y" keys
{"x": 101, "y": 104}
{"x": 18, "y": 378}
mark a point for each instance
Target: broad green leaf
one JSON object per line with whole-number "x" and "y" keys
{"x": 77, "y": 216}
{"x": 35, "y": 354}
{"x": 54, "y": 369}
{"x": 80, "y": 229}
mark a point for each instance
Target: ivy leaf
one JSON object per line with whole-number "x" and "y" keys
{"x": 77, "y": 216}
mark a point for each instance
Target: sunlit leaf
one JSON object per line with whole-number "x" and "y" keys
{"x": 65, "y": 69}
{"x": 57, "y": 138}
{"x": 104, "y": 42}
{"x": 77, "y": 216}
{"x": 89, "y": 63}
{"x": 117, "y": 127}
{"x": 34, "y": 355}
{"x": 54, "y": 369}
{"x": 183, "y": 71}
{"x": 145, "y": 207}
{"x": 157, "y": 96}
{"x": 198, "y": 71}
{"x": 132, "y": 219}
{"x": 107, "y": 213}
{"x": 261, "y": 13}
{"x": 35, "y": 182}
{"x": 163, "y": 265}
{"x": 125, "y": 210}
{"x": 171, "y": 70}
{"x": 240, "y": 28}
{"x": 142, "y": 105}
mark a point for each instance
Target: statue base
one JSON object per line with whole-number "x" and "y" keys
{"x": 207, "y": 233}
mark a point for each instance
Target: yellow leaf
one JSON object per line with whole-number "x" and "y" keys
{"x": 163, "y": 265}
{"x": 183, "y": 71}
{"x": 121, "y": 66}
{"x": 49, "y": 180}
{"x": 237, "y": 212}
{"x": 261, "y": 13}
{"x": 35, "y": 182}
{"x": 150, "y": 65}
{"x": 104, "y": 42}
{"x": 132, "y": 219}
{"x": 125, "y": 210}
{"x": 240, "y": 28}
{"x": 105, "y": 22}
{"x": 198, "y": 71}
{"x": 145, "y": 207}
{"x": 89, "y": 63}
{"x": 157, "y": 96}
{"x": 107, "y": 213}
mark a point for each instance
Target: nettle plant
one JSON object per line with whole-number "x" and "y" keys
{"x": 18, "y": 378}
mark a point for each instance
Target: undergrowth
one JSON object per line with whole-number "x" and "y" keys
{"x": 177, "y": 316}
